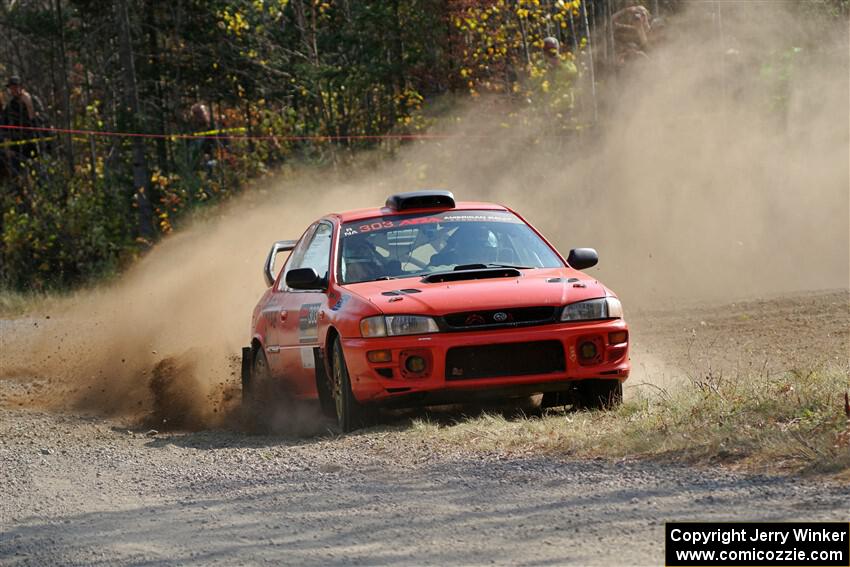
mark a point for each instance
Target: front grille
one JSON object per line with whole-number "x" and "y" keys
{"x": 513, "y": 359}
{"x": 500, "y": 318}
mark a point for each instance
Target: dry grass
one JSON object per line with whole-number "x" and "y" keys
{"x": 792, "y": 423}
{"x": 15, "y": 303}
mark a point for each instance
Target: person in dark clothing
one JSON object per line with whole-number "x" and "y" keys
{"x": 23, "y": 110}
{"x": 205, "y": 149}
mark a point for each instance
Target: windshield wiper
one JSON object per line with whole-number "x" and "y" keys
{"x": 485, "y": 266}
{"x": 384, "y": 278}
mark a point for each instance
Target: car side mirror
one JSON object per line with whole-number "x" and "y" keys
{"x": 277, "y": 247}
{"x": 305, "y": 278}
{"x": 581, "y": 258}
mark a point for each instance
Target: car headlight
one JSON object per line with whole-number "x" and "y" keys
{"x": 602, "y": 308}
{"x": 394, "y": 325}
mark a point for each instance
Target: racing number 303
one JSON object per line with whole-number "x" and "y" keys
{"x": 376, "y": 226}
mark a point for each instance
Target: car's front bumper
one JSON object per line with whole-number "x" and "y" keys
{"x": 386, "y": 382}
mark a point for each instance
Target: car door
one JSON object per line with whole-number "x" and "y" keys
{"x": 301, "y": 310}
{"x": 275, "y": 312}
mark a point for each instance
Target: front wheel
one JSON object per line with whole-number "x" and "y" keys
{"x": 598, "y": 393}
{"x": 349, "y": 413}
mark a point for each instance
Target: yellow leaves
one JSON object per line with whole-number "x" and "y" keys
{"x": 233, "y": 23}
{"x": 505, "y": 39}
{"x": 165, "y": 225}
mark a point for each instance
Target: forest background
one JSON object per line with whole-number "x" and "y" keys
{"x": 204, "y": 96}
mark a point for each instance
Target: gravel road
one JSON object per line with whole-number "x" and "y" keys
{"x": 78, "y": 490}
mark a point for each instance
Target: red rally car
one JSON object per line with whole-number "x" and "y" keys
{"x": 427, "y": 301}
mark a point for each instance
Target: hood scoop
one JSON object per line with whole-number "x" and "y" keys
{"x": 401, "y": 292}
{"x": 479, "y": 274}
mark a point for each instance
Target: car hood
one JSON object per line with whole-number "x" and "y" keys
{"x": 534, "y": 288}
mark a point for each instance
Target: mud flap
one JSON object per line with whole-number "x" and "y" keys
{"x": 246, "y": 366}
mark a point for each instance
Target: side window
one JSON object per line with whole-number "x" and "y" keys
{"x": 317, "y": 253}
{"x": 297, "y": 254}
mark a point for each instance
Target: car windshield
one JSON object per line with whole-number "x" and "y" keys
{"x": 421, "y": 244}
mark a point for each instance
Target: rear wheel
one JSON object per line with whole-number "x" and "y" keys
{"x": 263, "y": 399}
{"x": 598, "y": 393}
{"x": 350, "y": 415}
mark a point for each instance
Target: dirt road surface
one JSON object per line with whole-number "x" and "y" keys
{"x": 83, "y": 490}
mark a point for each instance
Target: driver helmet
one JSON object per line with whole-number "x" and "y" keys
{"x": 360, "y": 262}
{"x": 474, "y": 242}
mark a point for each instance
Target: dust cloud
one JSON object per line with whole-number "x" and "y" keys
{"x": 711, "y": 177}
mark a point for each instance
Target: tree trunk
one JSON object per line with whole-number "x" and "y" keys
{"x": 66, "y": 89}
{"x": 156, "y": 68}
{"x": 131, "y": 105}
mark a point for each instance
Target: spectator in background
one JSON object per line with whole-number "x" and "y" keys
{"x": 205, "y": 148}
{"x": 558, "y": 82}
{"x": 632, "y": 28}
{"x": 22, "y": 110}
{"x": 561, "y": 69}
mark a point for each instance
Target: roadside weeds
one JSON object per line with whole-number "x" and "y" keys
{"x": 792, "y": 423}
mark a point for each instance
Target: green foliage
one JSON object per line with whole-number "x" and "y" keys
{"x": 62, "y": 233}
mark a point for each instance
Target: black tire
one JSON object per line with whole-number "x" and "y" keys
{"x": 324, "y": 386}
{"x": 350, "y": 415}
{"x": 598, "y": 393}
{"x": 263, "y": 400}
{"x": 555, "y": 399}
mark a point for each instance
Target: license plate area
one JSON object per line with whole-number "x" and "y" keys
{"x": 500, "y": 360}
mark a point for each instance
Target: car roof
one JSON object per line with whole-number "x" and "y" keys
{"x": 361, "y": 214}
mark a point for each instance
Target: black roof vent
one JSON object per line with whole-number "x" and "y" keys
{"x": 421, "y": 200}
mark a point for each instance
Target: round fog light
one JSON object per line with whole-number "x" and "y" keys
{"x": 415, "y": 364}
{"x": 587, "y": 350}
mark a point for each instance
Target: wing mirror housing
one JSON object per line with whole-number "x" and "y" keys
{"x": 582, "y": 258}
{"x": 277, "y": 247}
{"x": 305, "y": 278}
